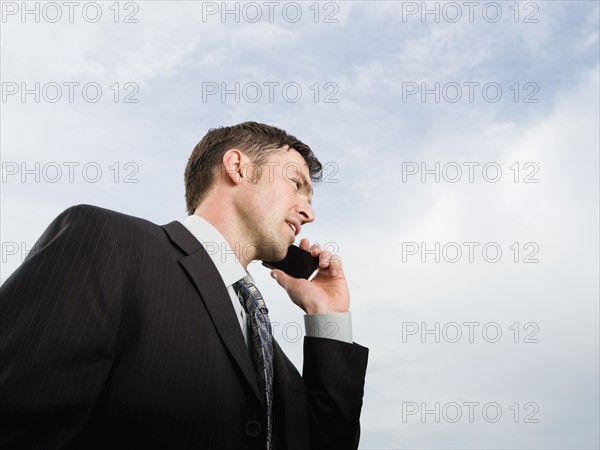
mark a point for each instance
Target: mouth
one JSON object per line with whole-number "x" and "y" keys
{"x": 294, "y": 227}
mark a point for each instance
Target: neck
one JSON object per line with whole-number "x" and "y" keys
{"x": 221, "y": 216}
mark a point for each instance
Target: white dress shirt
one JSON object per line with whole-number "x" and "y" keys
{"x": 333, "y": 326}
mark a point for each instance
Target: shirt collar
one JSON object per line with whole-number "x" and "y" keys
{"x": 217, "y": 248}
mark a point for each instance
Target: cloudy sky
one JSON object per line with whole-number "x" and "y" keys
{"x": 460, "y": 144}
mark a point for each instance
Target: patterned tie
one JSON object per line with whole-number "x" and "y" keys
{"x": 262, "y": 338}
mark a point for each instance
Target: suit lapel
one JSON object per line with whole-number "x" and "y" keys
{"x": 213, "y": 292}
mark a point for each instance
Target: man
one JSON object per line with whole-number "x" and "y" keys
{"x": 119, "y": 333}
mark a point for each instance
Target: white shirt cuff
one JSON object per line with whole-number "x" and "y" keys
{"x": 336, "y": 326}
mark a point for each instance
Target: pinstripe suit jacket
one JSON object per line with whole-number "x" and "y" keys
{"x": 119, "y": 333}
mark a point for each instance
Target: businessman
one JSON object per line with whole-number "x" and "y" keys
{"x": 119, "y": 333}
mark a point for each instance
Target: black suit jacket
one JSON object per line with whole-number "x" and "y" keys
{"x": 119, "y": 333}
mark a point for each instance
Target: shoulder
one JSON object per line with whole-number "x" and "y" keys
{"x": 89, "y": 222}
{"x": 84, "y": 213}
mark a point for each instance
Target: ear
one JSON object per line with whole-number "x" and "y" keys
{"x": 232, "y": 163}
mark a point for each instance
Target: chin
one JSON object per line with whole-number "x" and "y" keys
{"x": 281, "y": 251}
{"x": 276, "y": 250}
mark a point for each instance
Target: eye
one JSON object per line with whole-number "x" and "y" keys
{"x": 298, "y": 184}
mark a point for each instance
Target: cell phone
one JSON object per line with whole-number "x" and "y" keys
{"x": 297, "y": 263}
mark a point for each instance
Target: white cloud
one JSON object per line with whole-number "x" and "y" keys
{"x": 369, "y": 212}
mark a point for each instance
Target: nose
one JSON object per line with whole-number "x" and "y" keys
{"x": 306, "y": 212}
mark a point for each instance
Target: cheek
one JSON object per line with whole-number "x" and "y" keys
{"x": 273, "y": 200}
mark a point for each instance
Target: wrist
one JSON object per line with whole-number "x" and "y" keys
{"x": 312, "y": 311}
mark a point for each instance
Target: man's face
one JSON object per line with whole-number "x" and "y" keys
{"x": 272, "y": 208}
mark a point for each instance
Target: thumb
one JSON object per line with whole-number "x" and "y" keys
{"x": 281, "y": 277}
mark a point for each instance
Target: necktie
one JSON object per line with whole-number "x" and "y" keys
{"x": 262, "y": 339}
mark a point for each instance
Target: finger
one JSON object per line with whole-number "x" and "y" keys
{"x": 324, "y": 256}
{"x": 335, "y": 266}
{"x": 304, "y": 244}
{"x": 315, "y": 249}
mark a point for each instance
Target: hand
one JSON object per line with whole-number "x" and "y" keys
{"x": 326, "y": 293}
